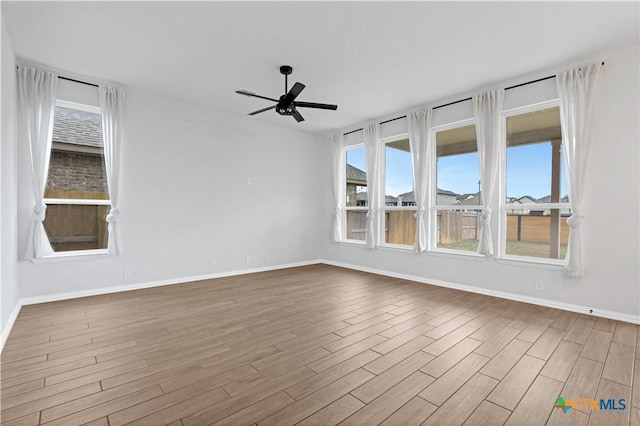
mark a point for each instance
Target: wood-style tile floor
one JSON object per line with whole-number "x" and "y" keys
{"x": 316, "y": 345}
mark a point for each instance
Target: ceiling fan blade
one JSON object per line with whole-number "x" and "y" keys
{"x": 297, "y": 116}
{"x": 293, "y": 93}
{"x": 315, "y": 105}
{"x": 253, "y": 95}
{"x": 262, "y": 110}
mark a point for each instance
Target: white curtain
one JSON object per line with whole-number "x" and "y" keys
{"x": 576, "y": 89}
{"x": 487, "y": 109}
{"x": 421, "y": 145}
{"x": 112, "y": 104}
{"x": 36, "y": 102}
{"x": 339, "y": 189}
{"x": 372, "y": 154}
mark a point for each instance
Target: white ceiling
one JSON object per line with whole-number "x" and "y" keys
{"x": 370, "y": 58}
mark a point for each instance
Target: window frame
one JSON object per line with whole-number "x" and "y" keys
{"x": 433, "y": 206}
{"x": 351, "y": 208}
{"x": 76, "y": 201}
{"x": 383, "y": 208}
{"x": 504, "y": 206}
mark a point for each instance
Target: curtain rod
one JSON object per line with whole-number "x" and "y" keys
{"x": 404, "y": 116}
{"x": 77, "y": 81}
{"x": 461, "y": 100}
{"x": 74, "y": 80}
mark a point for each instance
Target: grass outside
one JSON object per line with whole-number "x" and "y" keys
{"x": 514, "y": 248}
{"x": 466, "y": 245}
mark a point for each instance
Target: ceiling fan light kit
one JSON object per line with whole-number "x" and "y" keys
{"x": 287, "y": 104}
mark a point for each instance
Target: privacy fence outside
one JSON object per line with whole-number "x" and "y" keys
{"x": 455, "y": 228}
{"x": 76, "y": 226}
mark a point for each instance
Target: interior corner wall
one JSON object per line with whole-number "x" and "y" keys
{"x": 9, "y": 290}
{"x": 611, "y": 230}
{"x": 203, "y": 192}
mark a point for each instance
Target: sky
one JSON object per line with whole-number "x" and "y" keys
{"x": 528, "y": 171}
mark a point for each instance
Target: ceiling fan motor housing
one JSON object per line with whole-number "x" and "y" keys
{"x": 283, "y": 109}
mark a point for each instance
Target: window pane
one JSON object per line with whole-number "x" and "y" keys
{"x": 458, "y": 230}
{"x": 398, "y": 174}
{"x": 400, "y": 227}
{"x": 356, "y": 224}
{"x": 535, "y": 163}
{"x": 76, "y": 168}
{"x": 534, "y": 233}
{"x": 356, "y": 178}
{"x": 76, "y": 171}
{"x": 76, "y": 227}
{"x": 458, "y": 171}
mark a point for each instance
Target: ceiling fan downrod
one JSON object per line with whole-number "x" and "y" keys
{"x": 286, "y": 70}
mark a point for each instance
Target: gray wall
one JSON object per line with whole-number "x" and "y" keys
{"x": 9, "y": 291}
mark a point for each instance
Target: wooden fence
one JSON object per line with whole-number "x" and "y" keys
{"x": 74, "y": 226}
{"x": 356, "y": 225}
{"x": 535, "y": 229}
{"x": 455, "y": 226}
{"x": 400, "y": 227}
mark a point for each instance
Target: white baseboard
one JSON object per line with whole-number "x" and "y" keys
{"x": 138, "y": 286}
{"x": 7, "y": 328}
{"x": 618, "y": 316}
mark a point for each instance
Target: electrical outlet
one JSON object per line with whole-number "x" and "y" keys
{"x": 126, "y": 273}
{"x": 248, "y": 259}
{"x": 539, "y": 286}
{"x": 266, "y": 256}
{"x": 212, "y": 265}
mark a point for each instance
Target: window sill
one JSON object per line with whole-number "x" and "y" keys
{"x": 356, "y": 243}
{"x": 457, "y": 254}
{"x": 69, "y": 256}
{"x": 396, "y": 247}
{"x": 531, "y": 263}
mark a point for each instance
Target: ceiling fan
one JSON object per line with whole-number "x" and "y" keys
{"x": 287, "y": 104}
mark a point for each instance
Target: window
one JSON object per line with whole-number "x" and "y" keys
{"x": 76, "y": 193}
{"x": 458, "y": 199}
{"x": 536, "y": 193}
{"x": 399, "y": 203}
{"x": 356, "y": 193}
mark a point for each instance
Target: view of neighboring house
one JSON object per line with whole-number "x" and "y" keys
{"x": 527, "y": 199}
{"x": 547, "y": 199}
{"x": 357, "y": 192}
{"x": 356, "y": 183}
{"x": 77, "y": 160}
{"x": 443, "y": 197}
{"x": 446, "y": 197}
{"x": 406, "y": 199}
{"x": 357, "y": 196}
{"x": 469, "y": 199}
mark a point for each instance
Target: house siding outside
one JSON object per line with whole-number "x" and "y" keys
{"x": 73, "y": 171}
